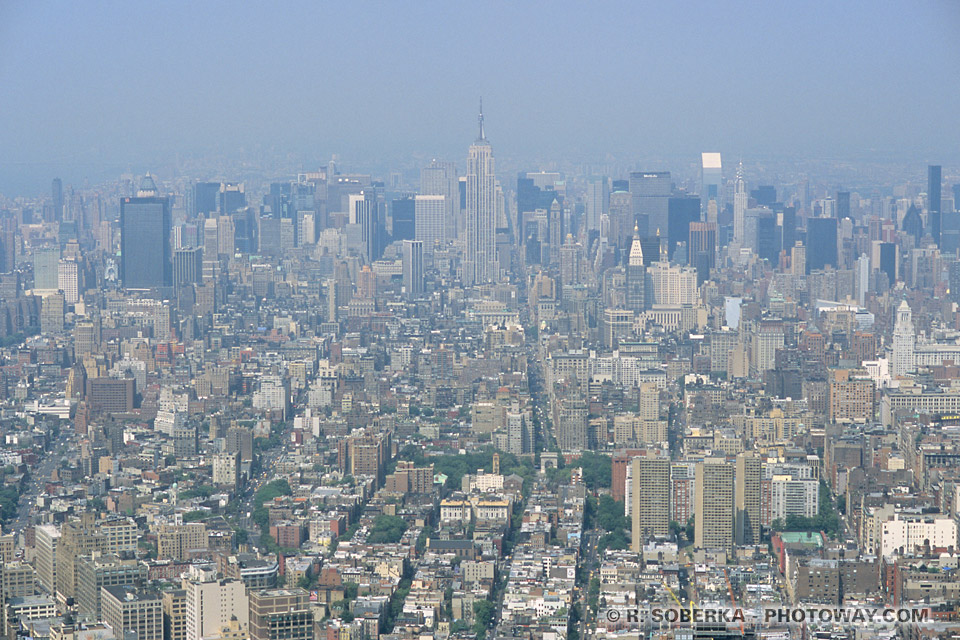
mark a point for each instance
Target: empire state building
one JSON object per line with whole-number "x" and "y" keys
{"x": 480, "y": 265}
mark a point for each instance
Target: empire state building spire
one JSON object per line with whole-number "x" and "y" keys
{"x": 480, "y": 263}
{"x": 480, "y": 120}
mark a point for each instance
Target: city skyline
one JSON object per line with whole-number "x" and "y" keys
{"x": 430, "y": 321}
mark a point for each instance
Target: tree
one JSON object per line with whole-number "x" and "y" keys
{"x": 610, "y": 514}
{"x": 617, "y": 540}
{"x": 483, "y": 612}
{"x": 387, "y": 530}
{"x": 675, "y": 530}
{"x": 350, "y": 590}
{"x": 597, "y": 470}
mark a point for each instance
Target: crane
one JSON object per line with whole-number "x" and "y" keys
{"x": 733, "y": 600}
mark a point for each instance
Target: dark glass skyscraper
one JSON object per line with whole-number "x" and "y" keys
{"x": 765, "y": 195}
{"x": 821, "y": 243}
{"x": 681, "y": 212}
{"x": 702, "y": 248}
{"x": 403, "y": 211}
{"x": 768, "y": 238}
{"x": 888, "y": 261}
{"x": 788, "y": 228}
{"x": 205, "y": 197}
{"x": 843, "y": 205}
{"x": 145, "y": 256}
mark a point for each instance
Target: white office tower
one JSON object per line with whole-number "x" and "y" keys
{"x": 711, "y": 186}
{"x": 672, "y": 284}
{"x": 739, "y": 206}
{"x": 440, "y": 179}
{"x": 480, "y": 264}
{"x": 429, "y": 214}
{"x": 68, "y": 278}
{"x": 904, "y": 341}
{"x": 863, "y": 278}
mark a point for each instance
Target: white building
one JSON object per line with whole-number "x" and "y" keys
{"x": 908, "y": 534}
{"x": 672, "y": 284}
{"x": 226, "y": 469}
{"x": 68, "y": 280}
{"x": 429, "y": 213}
{"x": 904, "y": 342}
{"x": 789, "y": 496}
{"x": 212, "y": 603}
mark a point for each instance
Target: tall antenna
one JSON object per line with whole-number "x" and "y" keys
{"x": 480, "y": 119}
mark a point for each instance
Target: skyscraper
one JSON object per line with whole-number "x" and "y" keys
{"x": 480, "y": 264}
{"x": 233, "y": 198}
{"x": 205, "y": 197}
{"x": 821, "y": 243}
{"x": 713, "y": 500}
{"x": 596, "y": 202}
{"x": 412, "y": 268}
{"x": 571, "y": 424}
{"x": 650, "y": 192}
{"x": 711, "y": 186}
{"x": 748, "y": 499}
{"x": 363, "y": 213}
{"x": 403, "y": 213}
{"x": 739, "y": 206}
{"x": 904, "y": 342}
{"x": 56, "y": 190}
{"x": 145, "y": 255}
{"x": 650, "y": 493}
{"x": 768, "y": 236}
{"x": 843, "y": 205}
{"x": 636, "y": 276}
{"x": 46, "y": 266}
{"x": 933, "y": 201}
{"x": 187, "y": 266}
{"x": 440, "y": 179}
{"x": 702, "y": 249}
{"x": 681, "y": 212}
{"x": 429, "y": 212}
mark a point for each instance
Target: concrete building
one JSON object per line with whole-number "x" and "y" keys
{"x": 175, "y": 614}
{"x": 212, "y": 603}
{"x": 47, "y": 541}
{"x": 650, "y": 494}
{"x": 280, "y": 614}
{"x": 714, "y": 505}
{"x": 127, "y": 609}
{"x": 748, "y": 479}
{"x": 98, "y": 571}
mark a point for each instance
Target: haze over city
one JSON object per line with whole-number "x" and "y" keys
{"x": 88, "y": 93}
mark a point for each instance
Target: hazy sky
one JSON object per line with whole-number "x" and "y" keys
{"x": 91, "y": 87}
